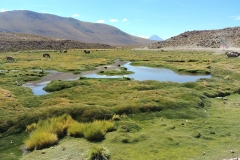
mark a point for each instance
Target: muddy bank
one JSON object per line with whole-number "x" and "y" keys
{"x": 54, "y": 75}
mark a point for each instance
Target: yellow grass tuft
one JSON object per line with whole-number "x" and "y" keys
{"x": 40, "y": 139}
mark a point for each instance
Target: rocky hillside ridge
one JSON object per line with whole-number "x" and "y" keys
{"x": 18, "y": 42}
{"x": 227, "y": 37}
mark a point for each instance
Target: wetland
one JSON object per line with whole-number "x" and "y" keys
{"x": 154, "y": 119}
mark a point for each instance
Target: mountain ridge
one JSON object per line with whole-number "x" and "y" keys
{"x": 24, "y": 21}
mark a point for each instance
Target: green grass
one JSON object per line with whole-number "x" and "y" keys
{"x": 157, "y": 120}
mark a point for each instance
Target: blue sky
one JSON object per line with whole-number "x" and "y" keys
{"x": 165, "y": 18}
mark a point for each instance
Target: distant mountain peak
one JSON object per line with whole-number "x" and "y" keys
{"x": 155, "y": 38}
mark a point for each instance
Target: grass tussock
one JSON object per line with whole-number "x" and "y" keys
{"x": 93, "y": 132}
{"x": 46, "y": 132}
{"x": 76, "y": 129}
{"x": 40, "y": 140}
{"x": 99, "y": 153}
{"x": 55, "y": 128}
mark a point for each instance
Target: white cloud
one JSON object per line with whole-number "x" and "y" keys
{"x": 144, "y": 36}
{"x": 3, "y": 10}
{"x": 113, "y": 20}
{"x": 124, "y": 20}
{"x": 75, "y": 15}
{"x": 100, "y": 21}
{"x": 236, "y": 17}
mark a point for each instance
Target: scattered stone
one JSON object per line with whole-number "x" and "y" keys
{"x": 196, "y": 135}
{"x": 181, "y": 123}
{"x": 232, "y": 151}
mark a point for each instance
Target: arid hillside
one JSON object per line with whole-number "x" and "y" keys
{"x": 227, "y": 37}
{"x": 28, "y": 22}
{"x": 17, "y": 41}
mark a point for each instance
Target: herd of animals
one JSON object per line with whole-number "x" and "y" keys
{"x": 47, "y": 55}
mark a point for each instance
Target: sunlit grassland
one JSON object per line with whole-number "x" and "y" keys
{"x": 165, "y": 120}
{"x": 150, "y": 136}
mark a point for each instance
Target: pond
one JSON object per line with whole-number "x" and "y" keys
{"x": 141, "y": 73}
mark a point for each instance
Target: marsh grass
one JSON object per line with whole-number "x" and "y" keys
{"x": 121, "y": 71}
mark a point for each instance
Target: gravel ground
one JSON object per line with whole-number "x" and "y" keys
{"x": 214, "y": 50}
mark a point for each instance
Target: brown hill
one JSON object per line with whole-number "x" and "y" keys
{"x": 17, "y": 41}
{"x": 229, "y": 37}
{"x": 22, "y": 21}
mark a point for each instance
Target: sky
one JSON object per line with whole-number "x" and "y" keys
{"x": 143, "y": 18}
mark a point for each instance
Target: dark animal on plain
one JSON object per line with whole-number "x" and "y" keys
{"x": 86, "y": 52}
{"x": 232, "y": 54}
{"x": 10, "y": 58}
{"x": 46, "y": 55}
{"x": 65, "y": 51}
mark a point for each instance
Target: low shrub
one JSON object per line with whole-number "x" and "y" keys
{"x": 99, "y": 153}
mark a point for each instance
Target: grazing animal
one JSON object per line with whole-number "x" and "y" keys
{"x": 65, "y": 51}
{"x": 86, "y": 52}
{"x": 10, "y": 58}
{"x": 232, "y": 54}
{"x": 46, "y": 55}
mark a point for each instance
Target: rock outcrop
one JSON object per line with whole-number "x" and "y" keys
{"x": 228, "y": 37}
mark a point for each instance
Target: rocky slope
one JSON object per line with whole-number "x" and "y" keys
{"x": 16, "y": 42}
{"x": 28, "y": 22}
{"x": 229, "y": 37}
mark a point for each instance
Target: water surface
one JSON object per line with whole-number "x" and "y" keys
{"x": 141, "y": 73}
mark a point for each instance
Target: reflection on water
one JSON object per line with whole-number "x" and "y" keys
{"x": 37, "y": 89}
{"x": 159, "y": 74}
{"x": 140, "y": 73}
